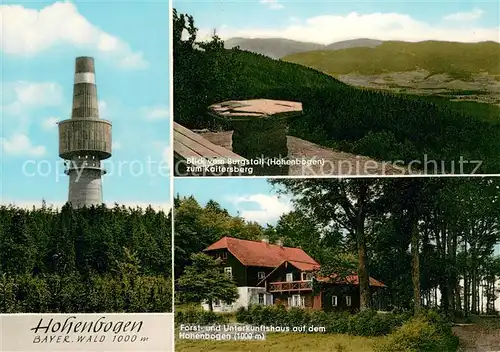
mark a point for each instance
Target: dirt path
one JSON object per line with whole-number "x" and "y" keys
{"x": 476, "y": 338}
{"x": 324, "y": 161}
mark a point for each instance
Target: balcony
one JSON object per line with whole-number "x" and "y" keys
{"x": 286, "y": 286}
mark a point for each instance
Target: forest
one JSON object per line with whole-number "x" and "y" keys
{"x": 86, "y": 260}
{"x": 431, "y": 241}
{"x": 377, "y": 124}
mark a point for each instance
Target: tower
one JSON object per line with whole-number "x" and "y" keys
{"x": 84, "y": 139}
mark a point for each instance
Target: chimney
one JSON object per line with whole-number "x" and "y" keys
{"x": 265, "y": 240}
{"x": 279, "y": 243}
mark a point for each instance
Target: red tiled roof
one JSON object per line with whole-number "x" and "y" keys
{"x": 258, "y": 253}
{"x": 351, "y": 280}
{"x": 304, "y": 266}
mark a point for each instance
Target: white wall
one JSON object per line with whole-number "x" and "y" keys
{"x": 247, "y": 296}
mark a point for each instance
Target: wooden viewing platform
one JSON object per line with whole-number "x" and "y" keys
{"x": 189, "y": 145}
{"x": 283, "y": 286}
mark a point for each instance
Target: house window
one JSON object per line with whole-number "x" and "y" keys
{"x": 261, "y": 299}
{"x": 289, "y": 277}
{"x": 229, "y": 272}
{"x": 224, "y": 255}
{"x": 297, "y": 301}
{"x": 306, "y": 276}
{"x": 348, "y": 301}
{"x": 334, "y": 301}
{"x": 217, "y": 303}
{"x": 269, "y": 299}
{"x": 261, "y": 275}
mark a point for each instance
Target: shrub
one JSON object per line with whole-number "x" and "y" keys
{"x": 420, "y": 334}
{"x": 243, "y": 315}
{"x": 198, "y": 316}
{"x": 366, "y": 323}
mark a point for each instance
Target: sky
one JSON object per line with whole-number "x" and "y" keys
{"x": 254, "y": 199}
{"x": 329, "y": 21}
{"x": 130, "y": 45}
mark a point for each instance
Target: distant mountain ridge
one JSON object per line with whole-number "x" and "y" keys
{"x": 277, "y": 48}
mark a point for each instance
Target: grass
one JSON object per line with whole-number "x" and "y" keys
{"x": 459, "y": 60}
{"x": 284, "y": 342}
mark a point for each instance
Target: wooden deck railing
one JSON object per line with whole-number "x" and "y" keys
{"x": 289, "y": 286}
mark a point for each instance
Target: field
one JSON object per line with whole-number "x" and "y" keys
{"x": 462, "y": 71}
{"x": 482, "y": 336}
{"x": 284, "y": 342}
{"x": 459, "y": 60}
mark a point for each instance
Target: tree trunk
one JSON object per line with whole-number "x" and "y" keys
{"x": 458, "y": 297}
{"x": 474, "y": 283}
{"x": 450, "y": 268}
{"x": 210, "y": 305}
{"x": 466, "y": 281}
{"x": 415, "y": 265}
{"x": 363, "y": 272}
{"x": 455, "y": 288}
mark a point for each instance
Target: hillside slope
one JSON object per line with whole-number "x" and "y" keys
{"x": 459, "y": 60}
{"x": 376, "y": 124}
{"x": 277, "y": 48}
{"x": 354, "y": 43}
{"x": 273, "y": 47}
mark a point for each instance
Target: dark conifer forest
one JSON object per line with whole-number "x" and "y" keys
{"x": 85, "y": 260}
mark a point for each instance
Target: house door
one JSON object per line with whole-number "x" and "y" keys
{"x": 289, "y": 277}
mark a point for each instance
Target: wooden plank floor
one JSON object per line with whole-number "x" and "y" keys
{"x": 188, "y": 144}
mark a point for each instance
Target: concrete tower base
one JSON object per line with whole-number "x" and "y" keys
{"x": 85, "y": 187}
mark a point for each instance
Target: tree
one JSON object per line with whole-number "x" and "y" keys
{"x": 204, "y": 280}
{"x": 346, "y": 205}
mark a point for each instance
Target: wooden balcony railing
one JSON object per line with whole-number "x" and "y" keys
{"x": 289, "y": 286}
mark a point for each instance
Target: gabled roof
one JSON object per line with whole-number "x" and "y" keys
{"x": 258, "y": 253}
{"x": 350, "y": 280}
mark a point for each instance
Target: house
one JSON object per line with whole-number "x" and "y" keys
{"x": 268, "y": 274}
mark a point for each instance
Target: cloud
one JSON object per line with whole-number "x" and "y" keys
{"x": 164, "y": 151}
{"x": 326, "y": 29}
{"x": 49, "y": 123}
{"x": 29, "y": 204}
{"x": 21, "y": 96}
{"x": 269, "y": 207}
{"x": 465, "y": 16}
{"x": 116, "y": 146}
{"x": 20, "y": 145}
{"x": 103, "y": 108}
{"x": 272, "y": 4}
{"x": 29, "y": 32}
{"x": 155, "y": 113}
